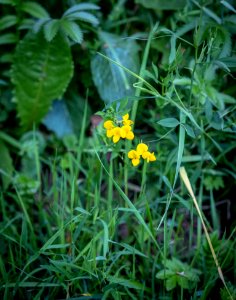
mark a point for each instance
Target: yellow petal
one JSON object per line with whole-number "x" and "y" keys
{"x": 116, "y": 138}
{"x": 125, "y": 117}
{"x": 123, "y": 132}
{"x": 108, "y": 124}
{"x": 130, "y": 135}
{"x": 142, "y": 148}
{"x": 146, "y": 154}
{"x": 152, "y": 157}
{"x": 109, "y": 133}
{"x": 132, "y": 154}
{"x": 135, "y": 161}
{"x": 116, "y": 131}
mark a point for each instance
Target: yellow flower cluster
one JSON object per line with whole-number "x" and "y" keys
{"x": 141, "y": 151}
{"x": 118, "y": 132}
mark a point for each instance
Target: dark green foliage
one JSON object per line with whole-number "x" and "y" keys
{"x": 41, "y": 72}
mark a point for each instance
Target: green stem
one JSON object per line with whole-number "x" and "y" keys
{"x": 142, "y": 69}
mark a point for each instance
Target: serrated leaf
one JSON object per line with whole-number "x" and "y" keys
{"x": 72, "y": 30}
{"x": 85, "y": 16}
{"x": 169, "y": 122}
{"x": 163, "y": 5}
{"x": 8, "y": 38}
{"x": 171, "y": 283}
{"x": 41, "y": 72}
{"x": 81, "y": 6}
{"x": 7, "y": 21}
{"x": 50, "y": 29}
{"x": 35, "y": 10}
{"x": 112, "y": 82}
{"x": 38, "y": 24}
{"x": 6, "y": 165}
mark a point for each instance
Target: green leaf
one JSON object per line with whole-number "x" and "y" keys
{"x": 171, "y": 283}
{"x": 41, "y": 72}
{"x": 163, "y": 274}
{"x": 50, "y": 29}
{"x": 211, "y": 14}
{"x": 8, "y": 38}
{"x": 182, "y": 281}
{"x": 189, "y": 131}
{"x": 72, "y": 30}
{"x": 35, "y": 10}
{"x": 228, "y": 5}
{"x": 58, "y": 119}
{"x": 85, "y": 16}
{"x": 168, "y": 122}
{"x": 38, "y": 24}
{"x": 163, "y": 5}
{"x": 125, "y": 282}
{"x": 112, "y": 82}
{"x": 7, "y": 21}
{"x": 6, "y": 165}
{"x": 81, "y": 6}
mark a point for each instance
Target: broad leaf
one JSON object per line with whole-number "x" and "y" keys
{"x": 41, "y": 72}
{"x": 58, "y": 119}
{"x": 112, "y": 81}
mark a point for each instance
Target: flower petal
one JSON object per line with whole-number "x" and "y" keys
{"x": 130, "y": 135}
{"x": 108, "y": 124}
{"x": 116, "y": 139}
{"x": 141, "y": 148}
{"x": 109, "y": 133}
{"x": 152, "y": 157}
{"x": 135, "y": 161}
{"x": 131, "y": 154}
{"x": 146, "y": 154}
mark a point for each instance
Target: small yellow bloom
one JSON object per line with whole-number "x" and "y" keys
{"x": 141, "y": 148}
{"x": 132, "y": 154}
{"x": 126, "y": 132}
{"x": 126, "y": 120}
{"x": 130, "y": 135}
{"x": 108, "y": 125}
{"x": 149, "y": 156}
{"x": 116, "y": 134}
{"x": 109, "y": 133}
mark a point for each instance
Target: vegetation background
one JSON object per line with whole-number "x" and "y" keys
{"x": 77, "y": 220}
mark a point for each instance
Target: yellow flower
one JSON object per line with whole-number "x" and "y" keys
{"x": 149, "y": 156}
{"x": 126, "y": 120}
{"x": 141, "y": 148}
{"x": 108, "y": 125}
{"x": 109, "y": 133}
{"x": 132, "y": 154}
{"x": 116, "y": 134}
{"x": 126, "y": 132}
